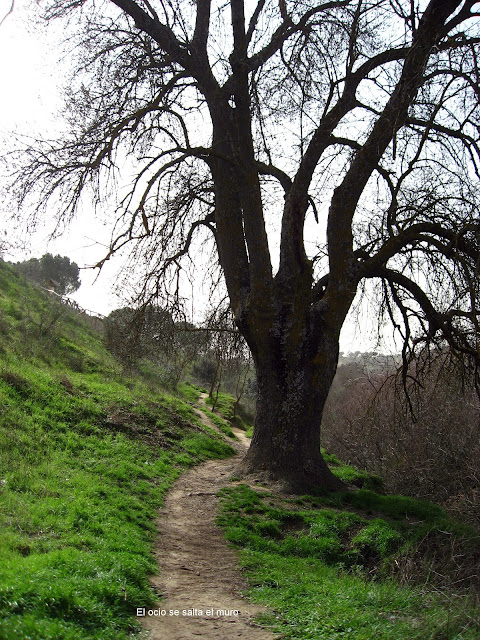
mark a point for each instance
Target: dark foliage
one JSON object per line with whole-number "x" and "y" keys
{"x": 53, "y": 272}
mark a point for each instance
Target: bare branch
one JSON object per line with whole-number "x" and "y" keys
{"x": 12, "y": 6}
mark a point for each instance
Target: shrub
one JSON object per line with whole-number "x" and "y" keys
{"x": 432, "y": 452}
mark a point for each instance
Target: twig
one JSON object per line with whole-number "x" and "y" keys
{"x": 12, "y": 6}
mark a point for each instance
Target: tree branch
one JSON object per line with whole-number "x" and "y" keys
{"x": 275, "y": 172}
{"x": 12, "y": 6}
{"x": 160, "y": 33}
{"x": 416, "y": 232}
{"x": 346, "y": 196}
{"x": 437, "y": 322}
{"x": 253, "y": 21}
{"x": 202, "y": 24}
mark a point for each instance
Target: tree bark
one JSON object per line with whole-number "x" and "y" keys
{"x": 292, "y": 392}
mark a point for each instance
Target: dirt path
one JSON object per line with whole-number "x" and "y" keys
{"x": 200, "y": 582}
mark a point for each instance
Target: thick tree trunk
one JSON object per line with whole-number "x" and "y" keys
{"x": 293, "y": 340}
{"x": 285, "y": 447}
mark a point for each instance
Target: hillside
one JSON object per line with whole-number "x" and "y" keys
{"x": 86, "y": 456}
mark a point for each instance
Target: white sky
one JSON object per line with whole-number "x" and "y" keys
{"x": 29, "y": 98}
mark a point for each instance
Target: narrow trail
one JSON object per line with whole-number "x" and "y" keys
{"x": 200, "y": 581}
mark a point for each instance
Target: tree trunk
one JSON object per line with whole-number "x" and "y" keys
{"x": 285, "y": 447}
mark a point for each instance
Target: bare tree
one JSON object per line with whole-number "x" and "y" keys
{"x": 361, "y": 115}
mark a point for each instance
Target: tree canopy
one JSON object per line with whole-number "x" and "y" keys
{"x": 320, "y": 145}
{"x": 52, "y": 271}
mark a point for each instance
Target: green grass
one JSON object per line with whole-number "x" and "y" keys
{"x": 224, "y": 405}
{"x": 326, "y": 565}
{"x": 351, "y": 475}
{"x": 86, "y": 456}
{"x": 222, "y": 424}
{"x": 190, "y": 392}
{"x": 313, "y": 601}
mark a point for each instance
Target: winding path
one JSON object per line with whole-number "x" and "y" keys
{"x": 200, "y": 581}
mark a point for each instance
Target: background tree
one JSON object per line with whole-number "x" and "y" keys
{"x": 48, "y": 271}
{"x": 123, "y": 331}
{"x": 239, "y": 119}
{"x": 185, "y": 344}
{"x": 150, "y": 331}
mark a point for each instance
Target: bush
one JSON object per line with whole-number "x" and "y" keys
{"x": 432, "y": 453}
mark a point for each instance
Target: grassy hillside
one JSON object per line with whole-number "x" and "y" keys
{"x": 359, "y": 564}
{"x": 86, "y": 455}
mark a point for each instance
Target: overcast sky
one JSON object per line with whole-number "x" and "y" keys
{"x": 29, "y": 90}
{"x": 30, "y": 99}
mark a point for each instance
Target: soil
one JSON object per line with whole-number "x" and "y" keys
{"x": 199, "y": 581}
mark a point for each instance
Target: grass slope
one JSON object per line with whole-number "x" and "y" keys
{"x": 327, "y": 565}
{"x": 86, "y": 455}
{"x": 358, "y": 565}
